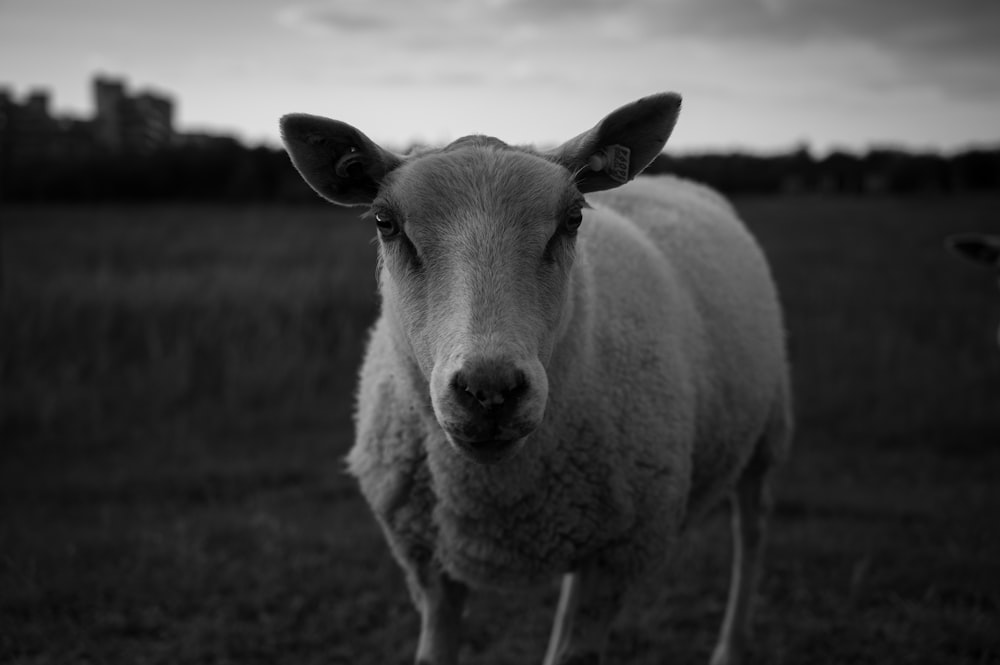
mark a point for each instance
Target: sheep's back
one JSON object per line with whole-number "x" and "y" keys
{"x": 718, "y": 319}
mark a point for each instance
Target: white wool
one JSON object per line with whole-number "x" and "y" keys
{"x": 667, "y": 374}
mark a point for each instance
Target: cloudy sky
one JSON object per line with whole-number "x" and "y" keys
{"x": 756, "y": 74}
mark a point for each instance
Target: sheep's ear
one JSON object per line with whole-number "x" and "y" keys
{"x": 335, "y": 159}
{"x": 976, "y": 247}
{"x": 621, "y": 145}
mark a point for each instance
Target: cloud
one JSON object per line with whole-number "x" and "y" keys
{"x": 858, "y": 44}
{"x": 332, "y": 18}
{"x": 520, "y": 73}
{"x": 447, "y": 24}
{"x": 956, "y": 26}
{"x": 948, "y": 45}
{"x": 442, "y": 43}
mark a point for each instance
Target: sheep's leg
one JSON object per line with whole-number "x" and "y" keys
{"x": 440, "y": 601}
{"x": 568, "y": 600}
{"x": 589, "y": 601}
{"x": 749, "y": 506}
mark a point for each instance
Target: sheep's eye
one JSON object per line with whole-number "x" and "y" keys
{"x": 574, "y": 218}
{"x": 386, "y": 224}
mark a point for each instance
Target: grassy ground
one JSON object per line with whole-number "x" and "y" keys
{"x": 176, "y": 400}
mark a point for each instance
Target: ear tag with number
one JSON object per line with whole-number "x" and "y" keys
{"x": 614, "y": 161}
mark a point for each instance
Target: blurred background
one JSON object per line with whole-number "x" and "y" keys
{"x": 182, "y": 318}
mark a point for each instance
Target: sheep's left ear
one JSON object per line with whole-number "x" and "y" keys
{"x": 976, "y": 247}
{"x": 621, "y": 145}
{"x": 335, "y": 159}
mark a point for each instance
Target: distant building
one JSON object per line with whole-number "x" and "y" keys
{"x": 27, "y": 131}
{"x": 122, "y": 124}
{"x": 109, "y": 102}
{"x": 205, "y": 141}
{"x": 127, "y": 124}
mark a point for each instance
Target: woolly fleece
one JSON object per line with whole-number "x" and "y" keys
{"x": 670, "y": 376}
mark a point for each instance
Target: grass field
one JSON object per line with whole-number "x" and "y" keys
{"x": 176, "y": 394}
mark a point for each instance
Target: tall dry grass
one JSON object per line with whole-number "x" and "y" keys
{"x": 121, "y": 321}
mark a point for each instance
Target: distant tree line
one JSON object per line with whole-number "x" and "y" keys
{"x": 220, "y": 170}
{"x": 227, "y": 171}
{"x": 878, "y": 171}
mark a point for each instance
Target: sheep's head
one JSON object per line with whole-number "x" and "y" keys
{"x": 979, "y": 248}
{"x": 477, "y": 241}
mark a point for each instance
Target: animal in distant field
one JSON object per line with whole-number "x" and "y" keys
{"x": 980, "y": 248}
{"x": 560, "y": 381}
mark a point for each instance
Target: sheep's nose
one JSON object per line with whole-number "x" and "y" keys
{"x": 489, "y": 387}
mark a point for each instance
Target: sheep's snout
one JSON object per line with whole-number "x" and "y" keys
{"x": 487, "y": 406}
{"x": 490, "y": 387}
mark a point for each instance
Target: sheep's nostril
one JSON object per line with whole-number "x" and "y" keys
{"x": 486, "y": 399}
{"x": 488, "y": 385}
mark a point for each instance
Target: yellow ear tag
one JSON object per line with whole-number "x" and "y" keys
{"x": 614, "y": 161}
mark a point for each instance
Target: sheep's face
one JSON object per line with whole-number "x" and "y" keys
{"x": 476, "y": 243}
{"x": 476, "y": 246}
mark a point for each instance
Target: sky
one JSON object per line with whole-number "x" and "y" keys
{"x": 761, "y": 75}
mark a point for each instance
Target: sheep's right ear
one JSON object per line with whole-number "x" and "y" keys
{"x": 977, "y": 247}
{"x": 335, "y": 159}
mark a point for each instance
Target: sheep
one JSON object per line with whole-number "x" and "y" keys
{"x": 570, "y": 366}
{"x": 980, "y": 248}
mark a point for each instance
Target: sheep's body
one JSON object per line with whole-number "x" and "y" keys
{"x": 669, "y": 375}
{"x": 551, "y": 390}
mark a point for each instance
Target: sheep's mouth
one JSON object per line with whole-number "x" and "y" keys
{"x": 487, "y": 451}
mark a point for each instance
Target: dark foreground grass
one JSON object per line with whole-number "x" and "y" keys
{"x": 176, "y": 400}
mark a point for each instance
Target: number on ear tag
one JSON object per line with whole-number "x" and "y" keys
{"x": 614, "y": 161}
{"x": 618, "y": 159}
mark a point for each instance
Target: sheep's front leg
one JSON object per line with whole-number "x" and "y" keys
{"x": 440, "y": 601}
{"x": 590, "y": 600}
